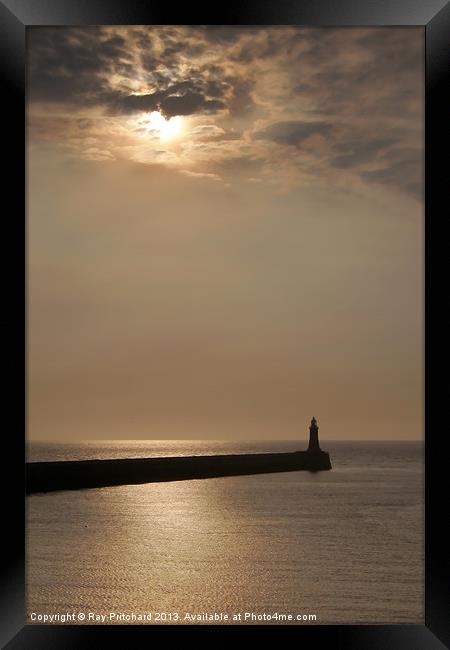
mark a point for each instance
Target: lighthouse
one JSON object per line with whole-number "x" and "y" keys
{"x": 314, "y": 436}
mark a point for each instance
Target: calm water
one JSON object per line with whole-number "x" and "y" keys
{"x": 345, "y": 545}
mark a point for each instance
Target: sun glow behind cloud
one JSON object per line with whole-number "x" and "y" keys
{"x": 164, "y": 129}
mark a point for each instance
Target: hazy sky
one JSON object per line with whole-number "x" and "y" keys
{"x": 225, "y": 232}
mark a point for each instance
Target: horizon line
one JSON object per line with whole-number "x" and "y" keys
{"x": 224, "y": 440}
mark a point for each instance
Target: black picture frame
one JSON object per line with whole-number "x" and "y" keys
{"x": 434, "y": 16}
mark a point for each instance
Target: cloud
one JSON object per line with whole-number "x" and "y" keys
{"x": 97, "y": 66}
{"x": 259, "y": 93}
{"x": 406, "y": 175}
{"x": 188, "y": 104}
{"x": 357, "y": 152}
{"x": 292, "y": 132}
{"x": 200, "y": 175}
{"x": 136, "y": 103}
{"x": 72, "y": 64}
{"x": 93, "y": 153}
{"x": 180, "y": 99}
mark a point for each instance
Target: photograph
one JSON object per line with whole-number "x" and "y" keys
{"x": 225, "y": 325}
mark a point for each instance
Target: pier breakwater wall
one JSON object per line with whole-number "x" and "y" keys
{"x": 74, "y": 475}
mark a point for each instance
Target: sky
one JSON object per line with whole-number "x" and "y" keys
{"x": 225, "y": 232}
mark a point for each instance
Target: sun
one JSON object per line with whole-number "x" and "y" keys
{"x": 164, "y": 129}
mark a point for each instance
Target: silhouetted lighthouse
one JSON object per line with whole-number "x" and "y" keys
{"x": 314, "y": 436}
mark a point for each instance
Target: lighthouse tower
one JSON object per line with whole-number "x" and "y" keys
{"x": 314, "y": 436}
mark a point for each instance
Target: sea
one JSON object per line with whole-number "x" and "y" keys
{"x": 344, "y": 546}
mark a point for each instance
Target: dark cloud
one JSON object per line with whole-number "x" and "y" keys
{"x": 142, "y": 38}
{"x": 241, "y": 101}
{"x": 151, "y": 63}
{"x": 216, "y": 88}
{"x": 188, "y": 104}
{"x": 270, "y": 43}
{"x": 397, "y": 167}
{"x": 357, "y": 152}
{"x": 129, "y": 104}
{"x": 184, "y": 98}
{"x": 374, "y": 70}
{"x": 292, "y": 132}
{"x": 72, "y": 64}
{"x": 171, "y": 54}
{"x": 392, "y": 49}
{"x": 161, "y": 78}
{"x": 406, "y": 175}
